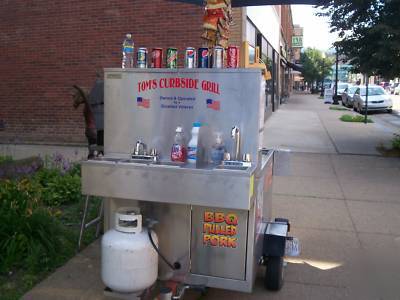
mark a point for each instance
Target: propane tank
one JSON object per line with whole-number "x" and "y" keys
{"x": 129, "y": 263}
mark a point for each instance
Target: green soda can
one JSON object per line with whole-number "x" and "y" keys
{"x": 172, "y": 58}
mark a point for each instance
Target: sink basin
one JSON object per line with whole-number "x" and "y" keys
{"x": 137, "y": 161}
{"x": 234, "y": 165}
{"x": 108, "y": 159}
{"x": 238, "y": 168}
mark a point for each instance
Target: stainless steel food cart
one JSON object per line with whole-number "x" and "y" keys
{"x": 212, "y": 219}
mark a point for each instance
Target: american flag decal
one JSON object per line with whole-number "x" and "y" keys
{"x": 143, "y": 102}
{"x": 213, "y": 104}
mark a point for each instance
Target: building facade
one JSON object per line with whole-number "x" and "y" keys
{"x": 46, "y": 47}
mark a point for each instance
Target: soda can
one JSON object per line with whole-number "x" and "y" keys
{"x": 203, "y": 58}
{"x": 190, "y": 58}
{"x": 141, "y": 58}
{"x": 172, "y": 58}
{"x": 218, "y": 57}
{"x": 156, "y": 58}
{"x": 232, "y": 57}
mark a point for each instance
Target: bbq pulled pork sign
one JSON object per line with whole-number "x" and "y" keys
{"x": 220, "y": 229}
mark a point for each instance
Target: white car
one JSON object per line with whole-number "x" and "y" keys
{"x": 341, "y": 87}
{"x": 347, "y": 96}
{"x": 397, "y": 90}
{"x": 378, "y": 99}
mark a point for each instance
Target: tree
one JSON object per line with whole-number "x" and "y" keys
{"x": 369, "y": 32}
{"x": 315, "y": 66}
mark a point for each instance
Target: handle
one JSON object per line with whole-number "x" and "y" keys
{"x": 128, "y": 222}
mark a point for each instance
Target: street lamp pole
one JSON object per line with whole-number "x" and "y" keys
{"x": 335, "y": 101}
{"x": 366, "y": 99}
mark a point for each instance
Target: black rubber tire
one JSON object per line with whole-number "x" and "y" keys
{"x": 273, "y": 279}
{"x": 389, "y": 111}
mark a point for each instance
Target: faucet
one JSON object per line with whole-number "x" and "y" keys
{"x": 140, "y": 148}
{"x": 235, "y": 135}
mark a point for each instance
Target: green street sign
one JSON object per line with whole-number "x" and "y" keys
{"x": 297, "y": 41}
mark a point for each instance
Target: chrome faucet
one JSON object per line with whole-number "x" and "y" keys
{"x": 235, "y": 134}
{"x": 140, "y": 148}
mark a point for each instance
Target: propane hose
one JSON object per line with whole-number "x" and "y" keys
{"x": 175, "y": 266}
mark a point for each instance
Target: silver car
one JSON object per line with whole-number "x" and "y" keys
{"x": 341, "y": 87}
{"x": 347, "y": 96}
{"x": 378, "y": 99}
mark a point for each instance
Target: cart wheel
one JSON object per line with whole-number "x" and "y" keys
{"x": 273, "y": 279}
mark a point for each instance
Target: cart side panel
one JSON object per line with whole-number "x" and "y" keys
{"x": 219, "y": 242}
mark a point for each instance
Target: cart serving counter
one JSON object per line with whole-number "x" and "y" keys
{"x": 212, "y": 219}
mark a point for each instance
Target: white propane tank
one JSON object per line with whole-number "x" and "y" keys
{"x": 129, "y": 263}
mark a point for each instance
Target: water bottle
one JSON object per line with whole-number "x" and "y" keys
{"x": 127, "y": 52}
{"x": 178, "y": 151}
{"x": 217, "y": 149}
{"x": 193, "y": 143}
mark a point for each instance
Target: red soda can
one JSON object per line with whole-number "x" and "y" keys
{"x": 156, "y": 58}
{"x": 232, "y": 57}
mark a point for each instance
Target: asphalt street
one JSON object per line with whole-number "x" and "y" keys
{"x": 391, "y": 120}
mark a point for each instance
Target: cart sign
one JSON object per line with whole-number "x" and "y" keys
{"x": 297, "y": 41}
{"x": 220, "y": 229}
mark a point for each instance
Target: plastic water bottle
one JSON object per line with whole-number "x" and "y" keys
{"x": 179, "y": 151}
{"x": 217, "y": 149}
{"x": 127, "y": 52}
{"x": 193, "y": 143}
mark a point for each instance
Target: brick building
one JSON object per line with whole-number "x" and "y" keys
{"x": 47, "y": 46}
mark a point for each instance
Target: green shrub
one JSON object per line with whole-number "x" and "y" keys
{"x": 30, "y": 237}
{"x": 59, "y": 188}
{"x": 6, "y": 158}
{"x": 356, "y": 118}
{"x": 396, "y": 142}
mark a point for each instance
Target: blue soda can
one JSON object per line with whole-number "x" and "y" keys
{"x": 141, "y": 58}
{"x": 203, "y": 58}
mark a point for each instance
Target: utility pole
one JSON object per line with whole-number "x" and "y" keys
{"x": 366, "y": 98}
{"x": 335, "y": 101}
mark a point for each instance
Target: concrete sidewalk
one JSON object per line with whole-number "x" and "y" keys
{"x": 345, "y": 208}
{"x": 306, "y": 124}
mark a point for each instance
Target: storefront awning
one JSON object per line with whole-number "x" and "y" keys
{"x": 241, "y": 3}
{"x": 295, "y": 67}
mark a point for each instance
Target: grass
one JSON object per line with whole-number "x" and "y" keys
{"x": 356, "y": 119}
{"x": 338, "y": 108}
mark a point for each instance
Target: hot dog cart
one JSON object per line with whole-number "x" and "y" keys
{"x": 213, "y": 221}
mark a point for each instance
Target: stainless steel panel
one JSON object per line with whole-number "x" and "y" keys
{"x": 173, "y": 231}
{"x": 219, "y": 242}
{"x": 221, "y": 283}
{"x": 238, "y": 94}
{"x": 222, "y": 188}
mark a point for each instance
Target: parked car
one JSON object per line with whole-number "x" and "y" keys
{"x": 393, "y": 87}
{"x": 341, "y": 87}
{"x": 378, "y": 99}
{"x": 385, "y": 85}
{"x": 397, "y": 90}
{"x": 347, "y": 96}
